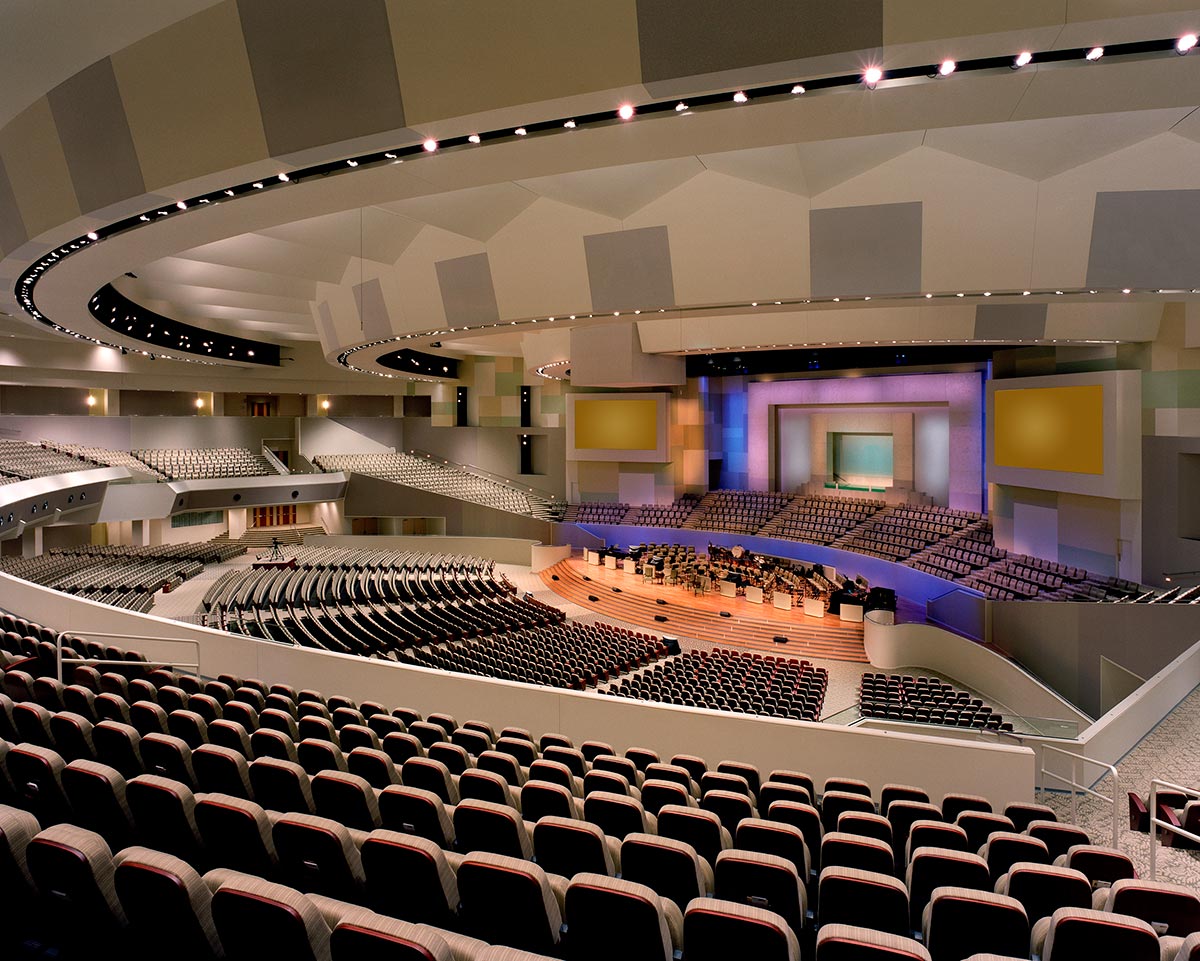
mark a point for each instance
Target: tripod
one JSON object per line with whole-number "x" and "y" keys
{"x": 276, "y": 551}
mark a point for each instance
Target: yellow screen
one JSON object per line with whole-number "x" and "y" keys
{"x": 1050, "y": 428}
{"x": 616, "y": 424}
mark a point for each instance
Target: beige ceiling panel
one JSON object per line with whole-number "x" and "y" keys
{"x": 912, "y": 21}
{"x": 616, "y": 191}
{"x": 472, "y": 55}
{"x": 538, "y": 265}
{"x": 258, "y": 252}
{"x": 832, "y": 162}
{"x": 189, "y": 96}
{"x": 732, "y": 240}
{"x": 37, "y": 168}
{"x": 372, "y": 233}
{"x": 1170, "y": 81}
{"x": 777, "y": 167}
{"x": 477, "y": 212}
{"x": 184, "y": 272}
{"x": 416, "y": 277}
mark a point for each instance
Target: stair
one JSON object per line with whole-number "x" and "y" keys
{"x": 263, "y": 536}
{"x": 701, "y": 511}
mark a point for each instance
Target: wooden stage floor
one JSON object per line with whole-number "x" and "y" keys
{"x": 752, "y": 626}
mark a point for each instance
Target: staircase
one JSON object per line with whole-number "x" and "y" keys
{"x": 696, "y": 517}
{"x": 257, "y": 537}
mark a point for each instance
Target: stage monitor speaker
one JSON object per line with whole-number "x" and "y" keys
{"x": 781, "y": 639}
{"x": 593, "y": 598}
{"x": 726, "y": 614}
{"x": 660, "y": 618}
{"x": 660, "y": 601}
{"x": 672, "y": 644}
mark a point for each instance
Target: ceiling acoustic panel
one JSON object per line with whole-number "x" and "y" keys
{"x": 1145, "y": 238}
{"x": 630, "y": 269}
{"x": 864, "y": 251}
{"x": 12, "y": 228}
{"x": 372, "y": 311}
{"x": 468, "y": 296}
{"x": 1010, "y": 321}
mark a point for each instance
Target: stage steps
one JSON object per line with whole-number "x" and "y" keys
{"x": 262, "y": 536}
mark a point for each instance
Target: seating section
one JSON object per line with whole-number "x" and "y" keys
{"x": 332, "y": 851}
{"x": 104, "y": 455}
{"x": 126, "y": 577}
{"x": 737, "y": 512}
{"x": 820, "y": 519}
{"x": 596, "y": 512}
{"x": 22, "y": 461}
{"x": 443, "y": 477}
{"x": 674, "y": 514}
{"x": 196, "y": 464}
{"x": 923, "y": 700}
{"x": 739, "y": 681}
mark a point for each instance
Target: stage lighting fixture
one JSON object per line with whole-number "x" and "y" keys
{"x": 474, "y": 138}
{"x": 946, "y": 68}
{"x": 1023, "y": 58}
{"x": 871, "y": 76}
{"x": 798, "y": 89}
{"x": 430, "y": 145}
{"x": 284, "y": 178}
{"x": 680, "y": 107}
{"x": 740, "y": 97}
{"x": 351, "y": 163}
{"x": 520, "y": 131}
{"x": 625, "y": 111}
{"x": 570, "y": 124}
{"x": 92, "y": 235}
{"x": 1094, "y": 54}
{"x": 1185, "y": 43}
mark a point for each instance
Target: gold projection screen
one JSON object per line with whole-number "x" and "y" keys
{"x": 1050, "y": 428}
{"x": 616, "y": 424}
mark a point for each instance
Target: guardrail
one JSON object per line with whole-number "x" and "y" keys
{"x": 1077, "y": 787}
{"x": 274, "y": 461}
{"x": 60, "y": 660}
{"x": 1156, "y": 823}
{"x": 488, "y": 475}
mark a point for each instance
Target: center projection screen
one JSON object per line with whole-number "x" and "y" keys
{"x": 617, "y": 427}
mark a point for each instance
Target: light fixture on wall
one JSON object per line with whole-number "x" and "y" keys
{"x": 325, "y": 404}
{"x": 1168, "y": 576}
{"x": 199, "y": 403}
{"x": 91, "y": 401}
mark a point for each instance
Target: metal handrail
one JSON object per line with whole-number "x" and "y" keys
{"x": 60, "y": 660}
{"x": 1155, "y": 823}
{"x": 486, "y": 474}
{"x": 1077, "y": 787}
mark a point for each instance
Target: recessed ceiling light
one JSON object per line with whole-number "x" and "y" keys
{"x": 798, "y": 89}
{"x": 872, "y": 76}
{"x": 474, "y": 138}
{"x": 1185, "y": 43}
{"x": 946, "y": 67}
{"x": 1022, "y": 58}
{"x": 625, "y": 111}
{"x": 1094, "y": 54}
{"x": 430, "y": 145}
{"x": 740, "y": 97}
{"x": 520, "y": 131}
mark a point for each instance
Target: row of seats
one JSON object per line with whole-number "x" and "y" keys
{"x": 192, "y": 463}
{"x": 922, "y": 700}
{"x": 20, "y": 460}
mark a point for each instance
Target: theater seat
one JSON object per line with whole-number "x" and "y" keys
{"x": 668, "y": 866}
{"x": 597, "y": 906}
{"x": 410, "y": 877}
{"x": 716, "y": 930}
{"x": 166, "y": 903}
{"x": 1080, "y": 933}
{"x": 74, "y": 868}
{"x": 844, "y": 942}
{"x": 510, "y": 902}
{"x": 318, "y": 855}
{"x": 413, "y": 811}
{"x": 863, "y": 899}
{"x": 257, "y": 919}
{"x": 958, "y": 921}
{"x": 237, "y": 834}
{"x": 763, "y": 881}
{"x": 567, "y": 847}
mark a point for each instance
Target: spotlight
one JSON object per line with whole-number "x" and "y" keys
{"x": 284, "y": 178}
{"x": 143, "y": 218}
{"x": 1025, "y": 293}
{"x": 625, "y": 111}
{"x": 740, "y": 97}
{"x": 798, "y": 89}
{"x": 946, "y": 68}
{"x": 92, "y": 235}
{"x": 1124, "y": 290}
{"x": 91, "y": 401}
{"x": 199, "y": 403}
{"x": 520, "y": 131}
{"x": 181, "y": 205}
{"x": 570, "y": 124}
{"x": 1022, "y": 59}
{"x": 871, "y": 76}
{"x": 680, "y": 107}
{"x": 257, "y": 186}
{"x": 1185, "y": 43}
{"x": 474, "y": 138}
{"x": 351, "y": 163}
{"x": 430, "y": 145}
{"x": 1094, "y": 54}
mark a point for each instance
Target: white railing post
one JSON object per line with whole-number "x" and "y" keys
{"x": 1156, "y": 822}
{"x": 1078, "y": 788}
{"x": 58, "y": 645}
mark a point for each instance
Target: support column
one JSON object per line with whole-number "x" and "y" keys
{"x": 33, "y": 542}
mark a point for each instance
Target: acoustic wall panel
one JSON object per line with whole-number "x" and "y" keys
{"x": 868, "y": 250}
{"x": 372, "y": 310}
{"x": 12, "y": 228}
{"x": 1010, "y": 321}
{"x": 630, "y": 269}
{"x": 1050, "y": 428}
{"x": 468, "y": 296}
{"x": 1145, "y": 238}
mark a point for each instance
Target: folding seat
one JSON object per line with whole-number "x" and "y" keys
{"x": 36, "y": 774}
{"x": 74, "y": 867}
{"x": 456, "y": 758}
{"x": 165, "y": 902}
{"x": 283, "y": 703}
{"x": 316, "y": 755}
{"x": 1004, "y": 849}
{"x": 33, "y": 724}
{"x": 1042, "y": 889}
{"x": 189, "y": 726}
{"x": 596, "y": 905}
{"x": 164, "y": 812}
{"x": 318, "y": 855}
{"x": 269, "y": 743}
{"x": 119, "y": 746}
{"x": 428, "y": 734}
{"x": 1100, "y": 864}
{"x": 855, "y": 851}
{"x": 551, "y": 739}
{"x": 867, "y": 899}
{"x": 939, "y": 867}
{"x": 695, "y": 766}
{"x": 954, "y": 804}
{"x": 257, "y": 919}
{"x": 510, "y": 902}
{"x": 724, "y": 781}
{"x": 219, "y": 691}
{"x": 375, "y": 766}
{"x": 675, "y": 773}
{"x": 609, "y": 781}
{"x": 772, "y": 791}
{"x": 281, "y": 785}
{"x": 18, "y": 685}
{"x": 701, "y": 829}
{"x": 400, "y": 747}
{"x": 618, "y": 815}
{"x": 844, "y": 942}
{"x": 110, "y": 683}
{"x": 148, "y": 717}
{"x": 833, "y": 803}
{"x": 715, "y": 930}
{"x": 519, "y": 733}
{"x": 958, "y": 922}
{"x": 807, "y": 819}
{"x": 347, "y": 798}
{"x": 1059, "y": 837}
{"x": 230, "y": 734}
{"x": 406, "y": 715}
{"x": 1171, "y": 909}
{"x": 900, "y": 792}
{"x": 573, "y": 759}
{"x": 483, "y": 727}
{"x": 1081, "y": 933}
{"x": 503, "y": 764}
{"x": 48, "y": 692}
{"x": 358, "y": 735}
{"x": 641, "y": 757}
{"x": 494, "y": 828}
{"x": 414, "y": 811}
{"x": 541, "y": 799}
{"x": 520, "y": 748}
{"x": 207, "y": 707}
{"x": 846, "y": 785}
{"x": 445, "y": 721}
{"x": 933, "y": 834}
{"x": 980, "y": 825}
{"x": 236, "y": 834}
{"x": 317, "y": 728}
{"x": 385, "y": 724}
{"x": 241, "y": 713}
{"x": 486, "y": 786}
{"x": 903, "y": 814}
{"x": 618, "y": 765}
{"x": 72, "y": 735}
{"x": 77, "y": 699}
{"x": 111, "y": 707}
{"x": 763, "y": 880}
{"x": 656, "y": 794}
{"x": 169, "y": 757}
{"x": 172, "y": 698}
{"x": 1022, "y": 813}
{"x": 556, "y": 773}
{"x": 410, "y": 877}
{"x": 866, "y": 824}
{"x": 17, "y": 829}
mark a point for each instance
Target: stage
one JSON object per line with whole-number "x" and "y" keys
{"x": 752, "y": 626}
